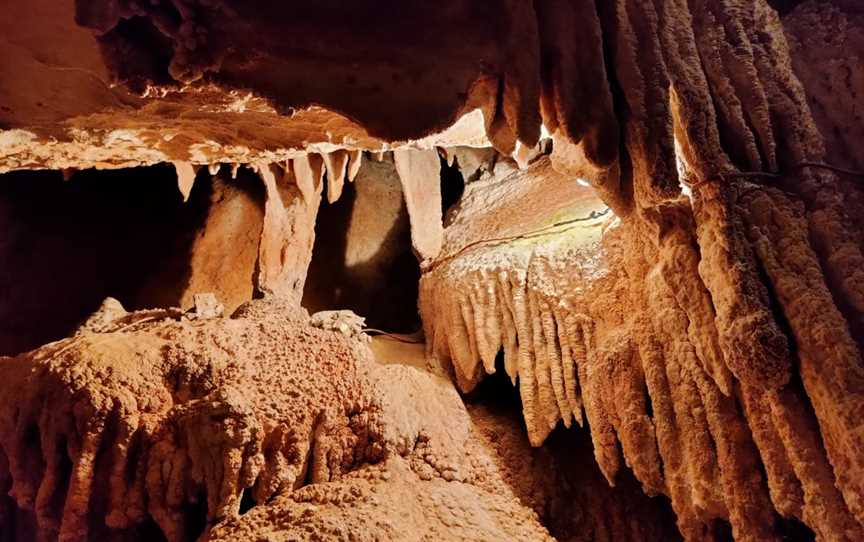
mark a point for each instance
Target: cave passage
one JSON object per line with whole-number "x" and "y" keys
{"x": 535, "y": 271}
{"x": 67, "y": 245}
{"x": 362, "y": 258}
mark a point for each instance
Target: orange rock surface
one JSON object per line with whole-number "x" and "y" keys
{"x": 654, "y": 231}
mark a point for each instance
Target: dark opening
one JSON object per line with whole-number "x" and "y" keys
{"x": 622, "y": 509}
{"x": 195, "y": 516}
{"x": 33, "y": 458}
{"x": 497, "y": 392}
{"x": 148, "y": 530}
{"x": 362, "y": 259}
{"x": 64, "y": 475}
{"x": 247, "y": 501}
{"x": 452, "y": 186}
{"x": 784, "y": 7}
{"x": 792, "y": 530}
{"x": 579, "y": 485}
{"x": 721, "y": 531}
{"x": 649, "y": 404}
{"x": 138, "y": 53}
{"x": 67, "y": 245}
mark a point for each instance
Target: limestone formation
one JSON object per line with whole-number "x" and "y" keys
{"x": 420, "y": 173}
{"x": 608, "y": 320}
{"x": 637, "y": 227}
{"x": 185, "y": 410}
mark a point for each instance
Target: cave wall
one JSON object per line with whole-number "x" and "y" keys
{"x": 126, "y": 234}
{"x": 710, "y": 341}
{"x": 362, "y": 259}
{"x": 68, "y": 245}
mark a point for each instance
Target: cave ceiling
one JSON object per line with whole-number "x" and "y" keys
{"x": 622, "y": 242}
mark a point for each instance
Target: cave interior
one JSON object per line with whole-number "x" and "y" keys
{"x": 563, "y": 270}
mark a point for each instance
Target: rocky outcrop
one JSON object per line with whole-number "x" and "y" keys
{"x": 187, "y": 422}
{"x": 392, "y": 504}
{"x": 155, "y": 417}
{"x": 608, "y": 321}
{"x": 684, "y": 274}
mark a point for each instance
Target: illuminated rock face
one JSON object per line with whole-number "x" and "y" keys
{"x": 658, "y": 238}
{"x": 603, "y": 323}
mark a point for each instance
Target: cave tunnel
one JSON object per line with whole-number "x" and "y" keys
{"x": 69, "y": 244}
{"x": 517, "y": 270}
{"x": 362, "y": 259}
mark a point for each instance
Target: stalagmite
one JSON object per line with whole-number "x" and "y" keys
{"x": 420, "y": 173}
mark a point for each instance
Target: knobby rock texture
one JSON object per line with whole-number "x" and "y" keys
{"x": 155, "y": 423}
{"x": 698, "y": 307}
{"x": 710, "y": 342}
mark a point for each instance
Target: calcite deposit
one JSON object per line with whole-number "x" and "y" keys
{"x": 505, "y": 270}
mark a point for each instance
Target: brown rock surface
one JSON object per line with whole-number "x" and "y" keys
{"x": 201, "y": 415}
{"x": 708, "y": 334}
{"x": 609, "y": 321}
{"x": 186, "y": 410}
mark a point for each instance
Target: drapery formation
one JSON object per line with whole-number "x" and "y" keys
{"x": 712, "y": 343}
{"x": 723, "y": 338}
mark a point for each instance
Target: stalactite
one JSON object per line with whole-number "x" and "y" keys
{"x": 520, "y": 96}
{"x": 713, "y": 50}
{"x": 690, "y": 413}
{"x": 641, "y": 72}
{"x": 576, "y": 97}
{"x": 745, "y": 69}
{"x": 355, "y": 160}
{"x": 755, "y": 349}
{"x": 337, "y": 165}
{"x": 574, "y": 351}
{"x": 420, "y": 173}
{"x": 679, "y": 259}
{"x": 824, "y": 509}
{"x": 693, "y": 335}
{"x": 833, "y": 231}
{"x": 676, "y": 475}
{"x": 185, "y": 178}
{"x": 694, "y": 124}
{"x": 786, "y": 493}
{"x": 288, "y": 233}
{"x": 830, "y": 364}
